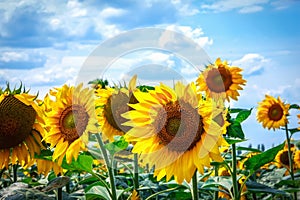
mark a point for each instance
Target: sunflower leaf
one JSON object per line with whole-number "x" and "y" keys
{"x": 145, "y": 88}
{"x": 45, "y": 154}
{"x": 100, "y": 192}
{"x": 235, "y": 110}
{"x": 117, "y": 145}
{"x": 235, "y": 130}
{"x": 232, "y": 140}
{"x": 83, "y": 163}
{"x": 243, "y": 115}
{"x": 294, "y": 106}
{"x": 261, "y": 159}
{"x": 294, "y": 130}
{"x": 255, "y": 187}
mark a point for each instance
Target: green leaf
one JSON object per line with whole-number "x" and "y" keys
{"x": 117, "y": 145}
{"x": 247, "y": 149}
{"x": 235, "y": 130}
{"x": 260, "y": 160}
{"x": 88, "y": 180}
{"x": 145, "y": 88}
{"x": 232, "y": 140}
{"x": 261, "y": 188}
{"x": 217, "y": 181}
{"x": 97, "y": 192}
{"x": 100, "y": 192}
{"x": 45, "y": 154}
{"x": 243, "y": 115}
{"x": 294, "y": 130}
{"x": 294, "y": 106}
{"x": 235, "y": 110}
{"x": 290, "y": 183}
{"x": 83, "y": 163}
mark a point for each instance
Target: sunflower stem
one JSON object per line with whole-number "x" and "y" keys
{"x": 234, "y": 174}
{"x": 109, "y": 167}
{"x": 15, "y": 173}
{"x": 216, "y": 193}
{"x": 195, "y": 186}
{"x": 288, "y": 139}
{"x": 59, "y": 193}
{"x": 136, "y": 171}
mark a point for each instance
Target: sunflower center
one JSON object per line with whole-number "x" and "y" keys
{"x": 219, "y": 80}
{"x": 16, "y": 122}
{"x": 173, "y": 125}
{"x": 179, "y": 126}
{"x": 73, "y": 122}
{"x": 275, "y": 112}
{"x": 115, "y": 106}
{"x": 284, "y": 158}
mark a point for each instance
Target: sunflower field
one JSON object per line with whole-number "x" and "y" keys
{"x": 132, "y": 142}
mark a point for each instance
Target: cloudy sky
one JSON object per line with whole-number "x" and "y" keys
{"x": 47, "y": 43}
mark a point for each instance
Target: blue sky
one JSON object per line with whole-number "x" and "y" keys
{"x": 45, "y": 43}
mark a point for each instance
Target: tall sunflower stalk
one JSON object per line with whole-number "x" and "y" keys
{"x": 109, "y": 166}
{"x": 272, "y": 113}
{"x": 291, "y": 170}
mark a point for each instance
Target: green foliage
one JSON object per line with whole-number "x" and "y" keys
{"x": 294, "y": 106}
{"x": 117, "y": 145}
{"x": 83, "y": 163}
{"x": 259, "y": 160}
{"x": 255, "y": 187}
{"x": 145, "y": 88}
{"x": 234, "y": 130}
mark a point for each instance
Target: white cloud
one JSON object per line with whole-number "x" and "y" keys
{"x": 194, "y": 33}
{"x": 251, "y": 9}
{"x": 13, "y": 56}
{"x": 252, "y": 63}
{"x": 112, "y": 12}
{"x": 242, "y": 6}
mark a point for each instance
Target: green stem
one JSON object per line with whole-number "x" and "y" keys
{"x": 109, "y": 167}
{"x": 216, "y": 193}
{"x": 290, "y": 157}
{"x": 136, "y": 171}
{"x": 1, "y": 172}
{"x": 195, "y": 186}
{"x": 59, "y": 193}
{"x": 234, "y": 174}
{"x": 161, "y": 192}
{"x": 15, "y": 172}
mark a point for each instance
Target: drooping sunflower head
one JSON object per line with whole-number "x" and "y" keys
{"x": 221, "y": 81}
{"x": 297, "y": 159}
{"x": 111, "y": 103}
{"x": 21, "y": 121}
{"x": 174, "y": 128}
{"x": 272, "y": 112}
{"x": 71, "y": 119}
{"x": 282, "y": 158}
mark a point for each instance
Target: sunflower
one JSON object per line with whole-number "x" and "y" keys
{"x": 223, "y": 171}
{"x": 221, "y": 81}
{"x": 175, "y": 128}
{"x": 282, "y": 158}
{"x": 21, "y": 120}
{"x": 45, "y": 166}
{"x": 134, "y": 195}
{"x": 297, "y": 159}
{"x": 272, "y": 112}
{"x": 110, "y": 104}
{"x": 69, "y": 121}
